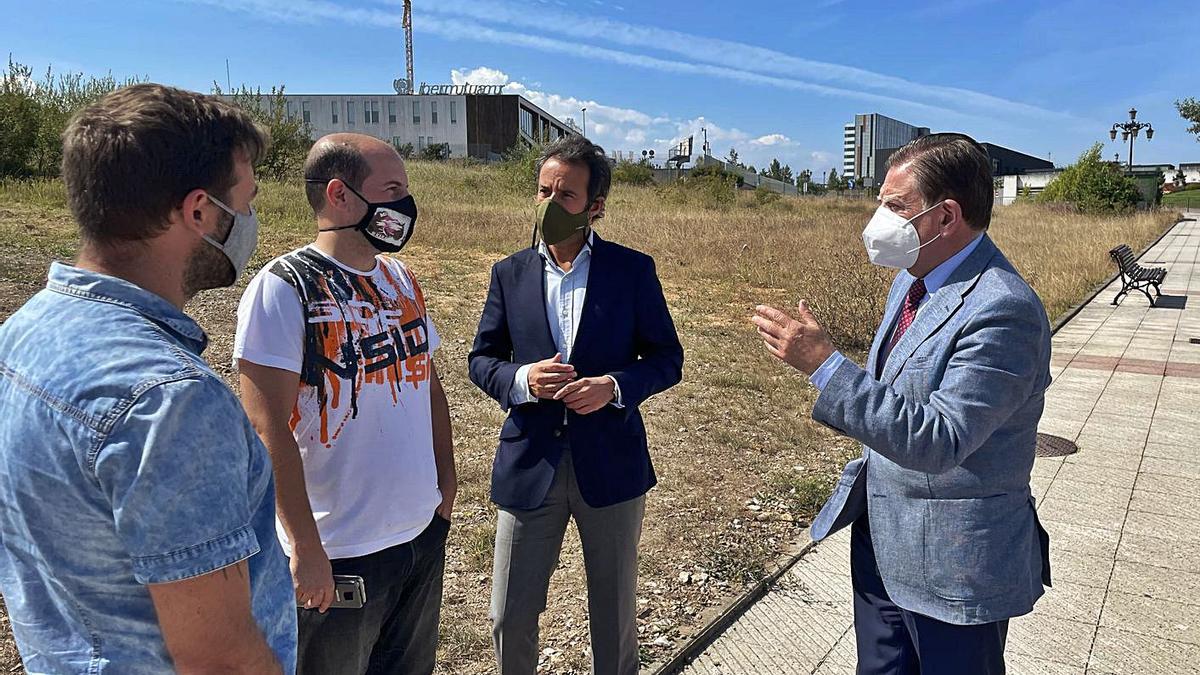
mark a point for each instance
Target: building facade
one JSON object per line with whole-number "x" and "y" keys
{"x": 482, "y": 126}
{"x": 1006, "y": 162}
{"x": 869, "y": 141}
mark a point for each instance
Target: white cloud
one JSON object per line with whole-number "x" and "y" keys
{"x": 772, "y": 139}
{"x": 479, "y": 76}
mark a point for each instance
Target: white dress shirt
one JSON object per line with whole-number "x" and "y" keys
{"x": 565, "y": 292}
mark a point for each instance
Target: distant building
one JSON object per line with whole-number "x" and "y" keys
{"x": 475, "y": 121}
{"x": 869, "y": 141}
{"x": 1006, "y": 162}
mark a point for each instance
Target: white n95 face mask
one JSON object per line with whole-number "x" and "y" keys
{"x": 892, "y": 241}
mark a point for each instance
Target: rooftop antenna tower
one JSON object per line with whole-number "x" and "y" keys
{"x": 408, "y": 55}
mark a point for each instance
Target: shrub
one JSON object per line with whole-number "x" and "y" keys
{"x": 763, "y": 196}
{"x": 1093, "y": 186}
{"x": 633, "y": 173}
{"x": 518, "y": 170}
{"x": 437, "y": 152}
{"x": 716, "y": 171}
{"x": 405, "y": 150}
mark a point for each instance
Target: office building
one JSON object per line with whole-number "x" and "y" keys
{"x": 869, "y": 141}
{"x": 474, "y": 121}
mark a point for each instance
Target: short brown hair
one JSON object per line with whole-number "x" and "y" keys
{"x": 951, "y": 166}
{"x": 132, "y": 156}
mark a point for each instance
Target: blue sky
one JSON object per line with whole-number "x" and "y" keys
{"x": 770, "y": 79}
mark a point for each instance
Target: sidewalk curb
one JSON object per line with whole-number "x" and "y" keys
{"x": 730, "y": 613}
{"x": 736, "y": 607}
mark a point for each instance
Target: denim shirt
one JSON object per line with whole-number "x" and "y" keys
{"x": 124, "y": 461}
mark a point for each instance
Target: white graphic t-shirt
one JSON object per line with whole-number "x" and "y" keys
{"x": 361, "y": 343}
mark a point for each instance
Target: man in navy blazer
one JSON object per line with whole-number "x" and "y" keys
{"x": 945, "y": 542}
{"x": 575, "y": 335}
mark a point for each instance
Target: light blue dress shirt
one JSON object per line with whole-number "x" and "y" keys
{"x": 933, "y": 282}
{"x": 565, "y": 293}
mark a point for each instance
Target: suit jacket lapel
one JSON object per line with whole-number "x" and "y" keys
{"x": 939, "y": 307}
{"x": 595, "y": 301}
{"x": 531, "y": 300}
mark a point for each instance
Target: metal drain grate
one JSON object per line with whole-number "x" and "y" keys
{"x": 1054, "y": 446}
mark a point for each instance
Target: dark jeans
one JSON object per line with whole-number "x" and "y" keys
{"x": 895, "y": 641}
{"x": 396, "y": 631}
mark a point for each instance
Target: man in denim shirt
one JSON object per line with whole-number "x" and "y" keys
{"x": 136, "y": 501}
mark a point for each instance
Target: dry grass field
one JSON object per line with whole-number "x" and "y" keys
{"x": 741, "y": 466}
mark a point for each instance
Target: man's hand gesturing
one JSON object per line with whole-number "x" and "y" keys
{"x": 549, "y": 376}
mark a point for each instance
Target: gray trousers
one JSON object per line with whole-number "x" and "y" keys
{"x": 527, "y": 549}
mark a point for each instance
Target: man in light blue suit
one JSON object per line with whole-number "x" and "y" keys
{"x": 945, "y": 543}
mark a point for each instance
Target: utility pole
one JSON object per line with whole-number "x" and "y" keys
{"x": 584, "y": 111}
{"x": 228, "y": 82}
{"x": 704, "y": 130}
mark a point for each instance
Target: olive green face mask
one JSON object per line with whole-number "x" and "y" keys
{"x": 556, "y": 224}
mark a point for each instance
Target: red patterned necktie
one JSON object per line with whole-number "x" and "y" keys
{"x": 911, "y": 302}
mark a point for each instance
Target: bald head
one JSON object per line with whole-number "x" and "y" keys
{"x": 356, "y": 160}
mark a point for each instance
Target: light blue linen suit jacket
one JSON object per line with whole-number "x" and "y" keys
{"x": 949, "y": 431}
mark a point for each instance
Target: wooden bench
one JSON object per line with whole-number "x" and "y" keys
{"x": 1134, "y": 277}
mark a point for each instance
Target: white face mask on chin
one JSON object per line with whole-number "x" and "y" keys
{"x": 892, "y": 241}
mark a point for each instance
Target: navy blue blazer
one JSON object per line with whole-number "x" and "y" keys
{"x": 625, "y": 330}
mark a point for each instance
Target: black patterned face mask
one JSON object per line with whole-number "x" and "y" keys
{"x": 387, "y": 225}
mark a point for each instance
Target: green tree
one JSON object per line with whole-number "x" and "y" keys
{"x": 1179, "y": 179}
{"x": 1189, "y": 110}
{"x": 833, "y": 182}
{"x": 405, "y": 150}
{"x": 634, "y": 173}
{"x": 732, "y": 157}
{"x": 291, "y": 136}
{"x": 1092, "y": 185}
{"x": 780, "y": 172}
{"x": 19, "y": 119}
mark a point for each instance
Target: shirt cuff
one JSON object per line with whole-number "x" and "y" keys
{"x": 520, "y": 393}
{"x": 616, "y": 402}
{"x": 820, "y": 376}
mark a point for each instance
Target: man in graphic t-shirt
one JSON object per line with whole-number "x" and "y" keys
{"x": 334, "y": 346}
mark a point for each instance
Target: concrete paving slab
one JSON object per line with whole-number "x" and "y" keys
{"x": 1163, "y": 526}
{"x": 1078, "y": 513}
{"x": 1078, "y": 568}
{"x": 1046, "y": 637}
{"x": 1091, "y": 541}
{"x": 1152, "y": 501}
{"x": 1096, "y": 475}
{"x": 1072, "y": 601}
{"x": 1151, "y": 616}
{"x": 1176, "y": 485}
{"x": 1188, "y": 470}
{"x": 1156, "y": 582}
{"x": 1151, "y": 550}
{"x": 1089, "y": 493}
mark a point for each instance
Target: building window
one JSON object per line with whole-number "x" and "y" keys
{"x": 290, "y": 109}
{"x": 306, "y": 112}
{"x": 416, "y": 112}
{"x": 453, "y": 112}
{"x": 333, "y": 109}
{"x": 526, "y": 119}
{"x": 422, "y": 141}
{"x": 391, "y": 112}
{"x": 374, "y": 112}
{"x": 433, "y": 112}
{"x": 349, "y": 113}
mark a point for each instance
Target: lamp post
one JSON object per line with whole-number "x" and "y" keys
{"x": 584, "y": 111}
{"x": 1129, "y": 131}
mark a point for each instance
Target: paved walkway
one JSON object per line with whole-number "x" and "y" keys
{"x": 1123, "y": 512}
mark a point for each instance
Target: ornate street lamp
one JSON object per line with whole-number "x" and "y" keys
{"x": 1129, "y": 131}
